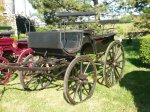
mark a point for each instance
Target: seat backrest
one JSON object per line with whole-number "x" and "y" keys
{"x": 72, "y": 41}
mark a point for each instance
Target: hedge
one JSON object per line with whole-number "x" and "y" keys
{"x": 145, "y": 49}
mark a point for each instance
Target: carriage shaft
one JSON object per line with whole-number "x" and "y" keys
{"x": 20, "y": 68}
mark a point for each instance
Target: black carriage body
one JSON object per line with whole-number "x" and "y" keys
{"x": 56, "y": 43}
{"x": 67, "y": 43}
{"x": 101, "y": 42}
{"x": 96, "y": 43}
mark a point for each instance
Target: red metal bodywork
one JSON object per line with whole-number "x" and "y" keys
{"x": 9, "y": 45}
{"x": 9, "y": 48}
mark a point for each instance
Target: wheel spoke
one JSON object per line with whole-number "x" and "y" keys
{"x": 118, "y": 56}
{"x": 110, "y": 55}
{"x": 117, "y": 72}
{"x": 71, "y": 88}
{"x": 36, "y": 85}
{"x": 100, "y": 80}
{"x": 117, "y": 50}
{"x": 112, "y": 76}
{"x": 85, "y": 89}
{"x": 108, "y": 71}
{"x": 41, "y": 82}
{"x": 86, "y": 68}
{"x": 76, "y": 92}
{"x": 81, "y": 67}
{"x": 80, "y": 95}
{"x": 116, "y": 75}
{"x": 4, "y": 73}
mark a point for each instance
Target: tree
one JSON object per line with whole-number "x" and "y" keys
{"x": 143, "y": 21}
{"x": 1, "y": 14}
{"x": 5, "y": 20}
{"x": 142, "y": 7}
{"x": 49, "y": 8}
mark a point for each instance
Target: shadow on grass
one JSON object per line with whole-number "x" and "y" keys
{"x": 137, "y": 62}
{"x": 138, "y": 83}
{"x": 58, "y": 86}
{"x": 133, "y": 52}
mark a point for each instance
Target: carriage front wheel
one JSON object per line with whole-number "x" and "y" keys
{"x": 80, "y": 80}
{"x": 114, "y": 61}
{"x": 34, "y": 80}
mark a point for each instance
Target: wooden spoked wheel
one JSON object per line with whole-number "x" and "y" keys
{"x": 4, "y": 73}
{"x": 24, "y": 54}
{"x": 34, "y": 80}
{"x": 114, "y": 61}
{"x": 80, "y": 80}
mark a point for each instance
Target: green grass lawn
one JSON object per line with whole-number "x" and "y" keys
{"x": 132, "y": 94}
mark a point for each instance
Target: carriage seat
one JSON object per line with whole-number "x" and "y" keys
{"x": 72, "y": 46}
{"x": 8, "y": 33}
{"x": 22, "y": 40}
{"x": 104, "y": 36}
{"x": 88, "y": 32}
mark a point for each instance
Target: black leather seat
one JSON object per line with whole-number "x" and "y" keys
{"x": 8, "y": 33}
{"x": 104, "y": 36}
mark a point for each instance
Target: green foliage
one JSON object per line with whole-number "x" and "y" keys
{"x": 145, "y": 49}
{"x": 138, "y": 4}
{"x": 14, "y": 36}
{"x": 123, "y": 29}
{"x": 143, "y": 21}
{"x": 22, "y": 36}
{"x": 126, "y": 19}
{"x": 47, "y": 28}
{"x": 51, "y": 8}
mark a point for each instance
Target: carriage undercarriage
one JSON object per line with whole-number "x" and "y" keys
{"x": 38, "y": 72}
{"x": 73, "y": 57}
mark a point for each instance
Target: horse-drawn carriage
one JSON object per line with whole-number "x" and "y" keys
{"x": 10, "y": 50}
{"x": 66, "y": 54}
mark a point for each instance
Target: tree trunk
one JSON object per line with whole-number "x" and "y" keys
{"x": 95, "y": 2}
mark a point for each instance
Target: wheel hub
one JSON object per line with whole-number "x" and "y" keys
{"x": 83, "y": 79}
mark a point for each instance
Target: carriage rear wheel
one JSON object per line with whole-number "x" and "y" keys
{"x": 114, "y": 61}
{"x": 80, "y": 80}
{"x": 34, "y": 80}
{"x": 4, "y": 73}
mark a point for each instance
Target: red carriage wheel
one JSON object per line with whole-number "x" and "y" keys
{"x": 24, "y": 54}
{"x": 4, "y": 73}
